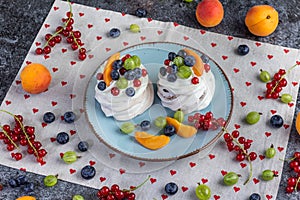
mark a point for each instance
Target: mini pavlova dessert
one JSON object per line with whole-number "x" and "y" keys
{"x": 184, "y": 83}
{"x": 123, "y": 88}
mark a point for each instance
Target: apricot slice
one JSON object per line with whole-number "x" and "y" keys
{"x": 262, "y": 20}
{"x": 198, "y": 67}
{"x": 298, "y": 123}
{"x": 35, "y": 78}
{"x": 182, "y": 130}
{"x": 108, "y": 68}
{"x": 209, "y": 13}
{"x": 26, "y": 198}
{"x": 150, "y": 141}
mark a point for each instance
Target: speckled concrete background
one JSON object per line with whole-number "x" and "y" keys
{"x": 20, "y": 21}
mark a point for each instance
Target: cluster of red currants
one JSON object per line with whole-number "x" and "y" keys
{"x": 24, "y": 136}
{"x": 275, "y": 86}
{"x": 240, "y": 145}
{"x": 293, "y": 181}
{"x": 72, "y": 38}
{"x": 115, "y": 193}
{"x": 206, "y": 121}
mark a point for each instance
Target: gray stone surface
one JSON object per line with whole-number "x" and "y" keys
{"x": 20, "y": 21}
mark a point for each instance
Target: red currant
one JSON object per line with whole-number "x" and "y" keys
{"x": 235, "y": 133}
{"x": 137, "y": 83}
{"x": 74, "y": 46}
{"x": 291, "y": 181}
{"x": 39, "y": 51}
{"x": 77, "y": 34}
{"x": 48, "y": 36}
{"x": 167, "y": 62}
{"x": 47, "y": 49}
{"x": 115, "y": 91}
{"x": 82, "y": 56}
{"x": 289, "y": 189}
{"x": 252, "y": 156}
{"x": 240, "y": 157}
{"x": 195, "y": 80}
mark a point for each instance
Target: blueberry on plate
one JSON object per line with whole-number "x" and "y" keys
{"x": 254, "y": 196}
{"x": 276, "y": 121}
{"x": 101, "y": 85}
{"x": 88, "y": 172}
{"x": 145, "y": 125}
{"x": 189, "y": 61}
{"x": 169, "y": 130}
{"x": 243, "y": 49}
{"x": 49, "y": 117}
{"x": 171, "y": 55}
{"x": 62, "y": 138}
{"x": 114, "y": 33}
{"x": 69, "y": 117}
{"x": 83, "y": 146}
{"x": 171, "y": 188}
{"x": 141, "y": 12}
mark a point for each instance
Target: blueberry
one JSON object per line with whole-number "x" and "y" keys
{"x": 254, "y": 196}
{"x": 138, "y": 72}
{"x": 145, "y": 125}
{"x": 163, "y": 71}
{"x": 49, "y": 117}
{"x": 114, "y": 75}
{"x": 174, "y": 69}
{"x": 171, "y": 188}
{"x": 88, "y": 172}
{"x": 129, "y": 75}
{"x": 169, "y": 130}
{"x": 276, "y": 121}
{"x": 29, "y": 187}
{"x": 243, "y": 49}
{"x": 141, "y": 12}
{"x": 171, "y": 56}
{"x": 69, "y": 117}
{"x": 181, "y": 53}
{"x": 171, "y": 77}
{"x": 205, "y": 59}
{"x": 22, "y": 179}
{"x": 101, "y": 85}
{"x": 13, "y": 183}
{"x": 117, "y": 64}
{"x": 62, "y": 138}
{"x": 189, "y": 61}
{"x": 130, "y": 91}
{"x": 114, "y": 32}
{"x": 83, "y": 146}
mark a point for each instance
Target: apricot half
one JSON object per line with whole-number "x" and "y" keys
{"x": 108, "y": 68}
{"x": 209, "y": 13}
{"x": 150, "y": 141}
{"x": 262, "y": 20}
{"x": 198, "y": 67}
{"x": 26, "y": 198}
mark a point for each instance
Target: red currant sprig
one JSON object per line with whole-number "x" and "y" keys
{"x": 278, "y": 83}
{"x": 293, "y": 181}
{"x": 241, "y": 145}
{"x": 72, "y": 37}
{"x": 114, "y": 192}
{"x": 23, "y": 135}
{"x": 206, "y": 121}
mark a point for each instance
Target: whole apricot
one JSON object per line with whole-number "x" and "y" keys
{"x": 35, "y": 78}
{"x": 209, "y": 13}
{"x": 262, "y": 20}
{"x": 298, "y": 123}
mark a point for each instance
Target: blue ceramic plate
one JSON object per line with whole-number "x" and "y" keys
{"x": 152, "y": 56}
